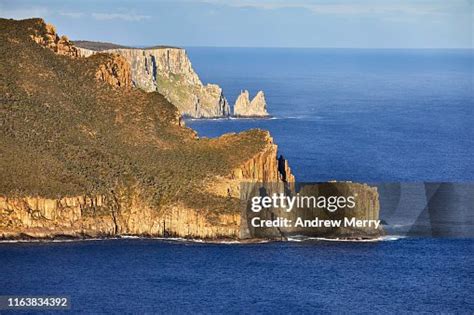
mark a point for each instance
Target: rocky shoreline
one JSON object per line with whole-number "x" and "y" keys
{"x": 64, "y": 239}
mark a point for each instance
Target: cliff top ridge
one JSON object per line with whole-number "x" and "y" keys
{"x": 100, "y": 46}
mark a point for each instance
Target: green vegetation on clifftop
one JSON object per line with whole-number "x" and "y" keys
{"x": 63, "y": 133}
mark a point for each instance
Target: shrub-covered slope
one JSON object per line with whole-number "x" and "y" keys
{"x": 63, "y": 133}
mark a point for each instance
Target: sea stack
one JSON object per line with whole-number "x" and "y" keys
{"x": 245, "y": 108}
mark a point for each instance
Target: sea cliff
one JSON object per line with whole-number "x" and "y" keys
{"x": 168, "y": 70}
{"x": 126, "y": 211}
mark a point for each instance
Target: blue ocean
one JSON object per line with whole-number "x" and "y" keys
{"x": 354, "y": 114}
{"x": 348, "y": 114}
{"x": 152, "y": 276}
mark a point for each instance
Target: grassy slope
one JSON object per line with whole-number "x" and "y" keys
{"x": 63, "y": 133}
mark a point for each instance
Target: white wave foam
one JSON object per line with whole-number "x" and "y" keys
{"x": 57, "y": 240}
{"x": 393, "y": 237}
{"x": 300, "y": 238}
{"x": 296, "y": 238}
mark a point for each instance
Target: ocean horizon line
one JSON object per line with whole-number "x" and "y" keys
{"x": 141, "y": 46}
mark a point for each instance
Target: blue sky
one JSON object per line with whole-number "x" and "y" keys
{"x": 264, "y": 23}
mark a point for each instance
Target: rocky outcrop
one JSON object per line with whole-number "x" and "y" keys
{"x": 245, "y": 108}
{"x": 115, "y": 71}
{"x": 169, "y": 71}
{"x": 50, "y": 39}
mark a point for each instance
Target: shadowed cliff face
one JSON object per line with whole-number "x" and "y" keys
{"x": 83, "y": 154}
{"x": 169, "y": 71}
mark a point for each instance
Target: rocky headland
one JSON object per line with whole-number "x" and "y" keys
{"x": 86, "y": 154}
{"x": 168, "y": 71}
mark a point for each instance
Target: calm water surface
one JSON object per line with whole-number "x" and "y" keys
{"x": 406, "y": 275}
{"x": 355, "y": 114}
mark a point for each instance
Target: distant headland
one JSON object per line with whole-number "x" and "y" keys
{"x": 168, "y": 70}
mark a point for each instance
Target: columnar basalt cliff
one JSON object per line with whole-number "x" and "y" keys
{"x": 125, "y": 211}
{"x": 245, "y": 108}
{"x": 168, "y": 70}
{"x": 265, "y": 166}
{"x": 103, "y": 216}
